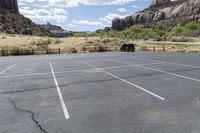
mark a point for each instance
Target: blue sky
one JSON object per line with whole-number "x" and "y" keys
{"x": 79, "y": 15}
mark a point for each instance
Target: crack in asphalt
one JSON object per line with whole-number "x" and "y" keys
{"x": 61, "y": 85}
{"x": 91, "y": 81}
{"x": 31, "y": 114}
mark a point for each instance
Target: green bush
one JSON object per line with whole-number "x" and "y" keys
{"x": 160, "y": 30}
{"x": 177, "y": 30}
{"x": 192, "y": 26}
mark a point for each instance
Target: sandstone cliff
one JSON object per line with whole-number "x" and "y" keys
{"x": 9, "y": 5}
{"x": 12, "y": 22}
{"x": 169, "y": 13}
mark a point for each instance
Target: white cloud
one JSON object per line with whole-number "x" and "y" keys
{"x": 86, "y": 22}
{"x": 74, "y": 3}
{"x": 71, "y": 25}
{"x": 56, "y": 14}
{"x": 59, "y": 11}
{"x": 122, "y": 10}
{"x": 102, "y": 22}
{"x": 134, "y": 6}
{"x": 108, "y": 18}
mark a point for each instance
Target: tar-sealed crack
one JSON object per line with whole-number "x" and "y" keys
{"x": 32, "y": 115}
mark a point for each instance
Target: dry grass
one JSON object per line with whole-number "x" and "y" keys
{"x": 171, "y": 46}
{"x": 76, "y": 44}
{"x": 70, "y": 44}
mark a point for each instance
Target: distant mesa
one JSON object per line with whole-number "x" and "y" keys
{"x": 166, "y": 12}
{"x": 56, "y": 31}
{"x": 9, "y": 5}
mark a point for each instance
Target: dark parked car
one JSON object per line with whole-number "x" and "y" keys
{"x": 128, "y": 48}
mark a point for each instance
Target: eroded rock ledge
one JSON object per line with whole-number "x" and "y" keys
{"x": 169, "y": 13}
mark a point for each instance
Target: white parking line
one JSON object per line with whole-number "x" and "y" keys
{"x": 24, "y": 75}
{"x": 66, "y": 113}
{"x": 145, "y": 64}
{"x": 7, "y": 69}
{"x": 125, "y": 81}
{"x": 61, "y": 72}
{"x": 143, "y": 59}
{"x": 158, "y": 70}
{"x": 192, "y": 66}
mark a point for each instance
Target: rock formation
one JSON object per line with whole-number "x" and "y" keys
{"x": 12, "y": 22}
{"x": 9, "y": 5}
{"x": 166, "y": 12}
{"x": 56, "y": 31}
{"x": 159, "y": 2}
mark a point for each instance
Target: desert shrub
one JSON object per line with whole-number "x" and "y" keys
{"x": 57, "y": 41}
{"x": 192, "y": 26}
{"x": 106, "y": 40}
{"x": 16, "y": 51}
{"x": 101, "y": 49}
{"x": 160, "y": 30}
{"x": 72, "y": 50}
{"x": 3, "y": 37}
{"x": 177, "y": 30}
{"x": 43, "y": 43}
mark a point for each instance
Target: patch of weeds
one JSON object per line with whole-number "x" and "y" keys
{"x": 101, "y": 49}
{"x": 72, "y": 50}
{"x": 43, "y": 43}
{"x": 57, "y": 41}
{"x": 3, "y": 37}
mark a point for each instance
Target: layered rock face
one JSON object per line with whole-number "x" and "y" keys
{"x": 159, "y": 2}
{"x": 9, "y": 5}
{"x": 12, "y": 22}
{"x": 166, "y": 12}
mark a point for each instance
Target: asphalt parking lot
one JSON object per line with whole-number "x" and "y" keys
{"x": 139, "y": 92}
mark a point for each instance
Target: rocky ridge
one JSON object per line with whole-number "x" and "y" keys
{"x": 56, "y": 31}
{"x": 166, "y": 12}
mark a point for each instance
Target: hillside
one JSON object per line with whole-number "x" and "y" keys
{"x": 12, "y": 22}
{"x": 166, "y": 12}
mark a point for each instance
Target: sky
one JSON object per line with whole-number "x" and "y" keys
{"x": 79, "y": 15}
